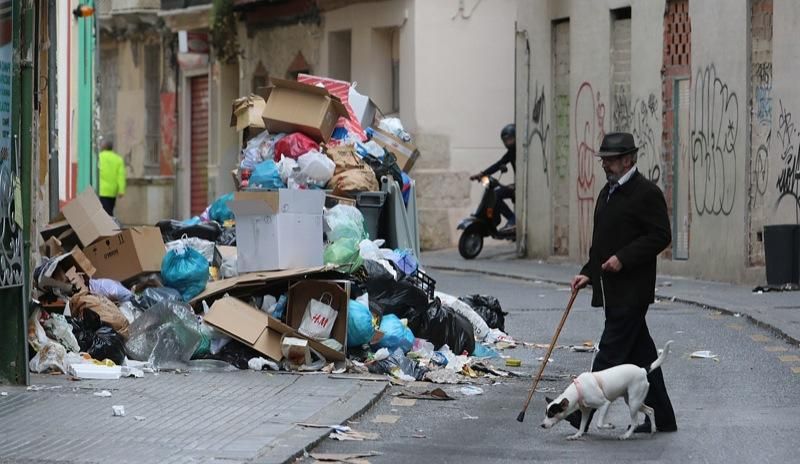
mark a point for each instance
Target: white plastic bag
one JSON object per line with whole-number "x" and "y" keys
{"x": 368, "y": 249}
{"x": 317, "y": 168}
{"x": 58, "y": 327}
{"x": 260, "y": 148}
{"x": 204, "y": 247}
{"x": 395, "y": 127}
{"x": 478, "y": 324}
{"x": 285, "y": 167}
{"x": 51, "y": 356}
{"x": 319, "y": 318}
{"x": 228, "y": 267}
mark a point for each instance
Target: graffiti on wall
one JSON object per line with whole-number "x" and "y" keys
{"x": 589, "y": 123}
{"x": 640, "y": 117}
{"x": 715, "y": 127}
{"x": 540, "y": 128}
{"x": 788, "y": 182}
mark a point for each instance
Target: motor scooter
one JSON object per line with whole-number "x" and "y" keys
{"x": 484, "y": 222}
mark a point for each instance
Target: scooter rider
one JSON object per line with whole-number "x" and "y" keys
{"x": 508, "y": 136}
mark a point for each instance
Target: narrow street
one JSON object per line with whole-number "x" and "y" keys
{"x": 742, "y": 408}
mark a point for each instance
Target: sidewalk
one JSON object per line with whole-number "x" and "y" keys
{"x": 777, "y": 311}
{"x": 229, "y": 417}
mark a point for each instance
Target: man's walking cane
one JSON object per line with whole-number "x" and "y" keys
{"x": 521, "y": 416}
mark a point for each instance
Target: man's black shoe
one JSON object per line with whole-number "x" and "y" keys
{"x": 645, "y": 428}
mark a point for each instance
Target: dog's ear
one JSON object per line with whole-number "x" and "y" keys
{"x": 548, "y": 399}
{"x": 564, "y": 404}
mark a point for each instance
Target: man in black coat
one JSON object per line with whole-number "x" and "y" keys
{"x": 631, "y": 227}
{"x": 509, "y": 138}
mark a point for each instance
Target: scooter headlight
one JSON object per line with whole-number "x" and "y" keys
{"x": 485, "y": 181}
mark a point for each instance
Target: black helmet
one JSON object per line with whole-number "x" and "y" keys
{"x": 508, "y": 131}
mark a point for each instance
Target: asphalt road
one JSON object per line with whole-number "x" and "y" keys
{"x": 740, "y": 409}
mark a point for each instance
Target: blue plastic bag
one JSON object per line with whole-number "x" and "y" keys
{"x": 219, "y": 210}
{"x": 405, "y": 261}
{"x": 266, "y": 176}
{"x": 395, "y": 334}
{"x": 483, "y": 351}
{"x": 186, "y": 270}
{"x": 359, "y": 324}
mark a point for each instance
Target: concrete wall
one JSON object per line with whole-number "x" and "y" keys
{"x": 456, "y": 86}
{"x": 730, "y": 180}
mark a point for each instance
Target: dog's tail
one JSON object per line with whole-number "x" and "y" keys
{"x": 658, "y": 362}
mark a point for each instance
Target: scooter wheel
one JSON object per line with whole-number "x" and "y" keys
{"x": 470, "y": 244}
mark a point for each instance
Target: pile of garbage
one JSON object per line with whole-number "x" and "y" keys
{"x": 286, "y": 272}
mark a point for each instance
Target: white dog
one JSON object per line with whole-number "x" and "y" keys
{"x": 597, "y": 390}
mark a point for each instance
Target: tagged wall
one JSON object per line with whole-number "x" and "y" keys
{"x": 735, "y": 169}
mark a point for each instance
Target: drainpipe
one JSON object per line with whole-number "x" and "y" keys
{"x": 52, "y": 95}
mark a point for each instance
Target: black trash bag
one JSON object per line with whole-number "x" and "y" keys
{"x": 174, "y": 230}
{"x": 386, "y": 166}
{"x": 387, "y": 296}
{"x": 84, "y": 329}
{"x": 236, "y": 354}
{"x": 107, "y": 344}
{"x": 151, "y": 296}
{"x": 489, "y": 309}
{"x": 227, "y": 237}
{"x": 398, "y": 361}
{"x": 441, "y": 325}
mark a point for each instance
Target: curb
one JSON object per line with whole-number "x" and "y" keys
{"x": 291, "y": 458}
{"x": 757, "y": 322}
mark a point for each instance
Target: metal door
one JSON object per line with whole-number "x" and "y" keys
{"x": 199, "y": 144}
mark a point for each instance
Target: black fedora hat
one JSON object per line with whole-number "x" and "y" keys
{"x": 617, "y": 144}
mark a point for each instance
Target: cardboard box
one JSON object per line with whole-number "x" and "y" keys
{"x": 406, "y": 153}
{"x": 363, "y": 107}
{"x": 62, "y": 232}
{"x": 253, "y": 327}
{"x": 55, "y": 273}
{"x": 299, "y": 295}
{"x": 295, "y": 107}
{"x": 248, "y": 112}
{"x": 264, "y": 333}
{"x": 88, "y": 219}
{"x": 128, "y": 253}
{"x": 279, "y": 229}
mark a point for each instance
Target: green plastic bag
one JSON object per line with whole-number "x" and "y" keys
{"x": 344, "y": 252}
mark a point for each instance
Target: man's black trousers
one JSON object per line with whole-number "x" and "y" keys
{"x": 626, "y": 340}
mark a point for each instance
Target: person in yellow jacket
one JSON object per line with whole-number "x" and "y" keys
{"x": 112, "y": 176}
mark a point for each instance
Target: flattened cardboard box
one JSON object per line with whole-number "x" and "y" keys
{"x": 253, "y": 327}
{"x": 247, "y": 283}
{"x": 296, "y": 107}
{"x": 88, "y": 219}
{"x": 128, "y": 253}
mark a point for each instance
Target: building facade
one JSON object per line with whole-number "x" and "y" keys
{"x": 694, "y": 82}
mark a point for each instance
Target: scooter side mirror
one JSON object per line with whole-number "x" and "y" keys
{"x": 504, "y": 169}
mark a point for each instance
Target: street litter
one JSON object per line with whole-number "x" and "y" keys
{"x": 468, "y": 417}
{"x": 403, "y": 402}
{"x": 103, "y": 394}
{"x": 3, "y": 393}
{"x": 704, "y": 354}
{"x": 471, "y": 391}
{"x": 436, "y": 394}
{"x": 139, "y": 418}
{"x": 118, "y": 411}
{"x": 343, "y": 457}
{"x": 353, "y": 436}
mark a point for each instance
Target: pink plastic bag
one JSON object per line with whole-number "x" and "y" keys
{"x": 294, "y": 145}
